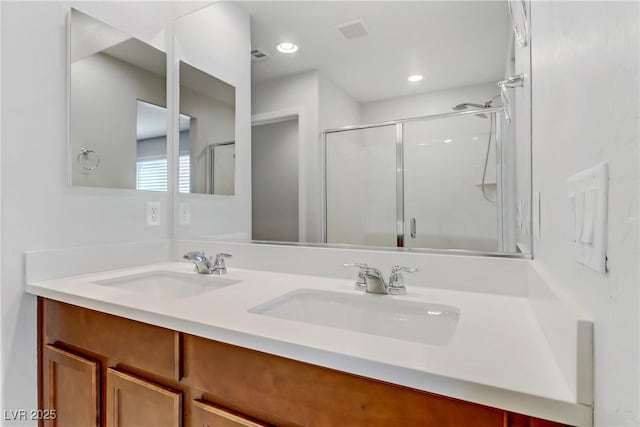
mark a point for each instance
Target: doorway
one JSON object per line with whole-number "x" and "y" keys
{"x": 274, "y": 181}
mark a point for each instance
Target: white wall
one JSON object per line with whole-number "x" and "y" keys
{"x": 39, "y": 209}
{"x": 274, "y": 173}
{"x": 337, "y": 108}
{"x": 585, "y": 110}
{"x": 104, "y": 91}
{"x": 427, "y": 103}
{"x": 299, "y": 93}
{"x": 216, "y": 40}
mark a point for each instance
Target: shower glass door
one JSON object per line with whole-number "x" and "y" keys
{"x": 444, "y": 203}
{"x": 360, "y": 193}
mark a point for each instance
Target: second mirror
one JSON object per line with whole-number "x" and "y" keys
{"x": 207, "y": 133}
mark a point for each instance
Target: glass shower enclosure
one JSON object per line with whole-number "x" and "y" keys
{"x": 429, "y": 182}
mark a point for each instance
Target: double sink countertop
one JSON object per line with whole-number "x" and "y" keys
{"x": 497, "y": 354}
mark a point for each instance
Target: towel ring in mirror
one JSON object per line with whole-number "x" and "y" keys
{"x": 88, "y": 161}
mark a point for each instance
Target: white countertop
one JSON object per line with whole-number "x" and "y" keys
{"x": 498, "y": 355}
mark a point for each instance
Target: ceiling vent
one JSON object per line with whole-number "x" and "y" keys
{"x": 259, "y": 55}
{"x": 353, "y": 30}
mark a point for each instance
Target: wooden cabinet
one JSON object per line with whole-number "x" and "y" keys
{"x": 263, "y": 384}
{"x": 123, "y": 340}
{"x": 102, "y": 370}
{"x": 206, "y": 414}
{"x": 70, "y": 388}
{"x": 135, "y": 402}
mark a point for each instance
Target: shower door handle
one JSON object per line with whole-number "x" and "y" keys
{"x": 412, "y": 227}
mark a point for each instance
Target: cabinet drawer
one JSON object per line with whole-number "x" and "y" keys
{"x": 136, "y": 402}
{"x": 314, "y": 396}
{"x": 127, "y": 342}
{"x": 206, "y": 414}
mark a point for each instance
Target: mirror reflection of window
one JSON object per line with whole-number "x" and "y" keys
{"x": 151, "y": 147}
{"x": 151, "y": 159}
{"x": 184, "y": 155}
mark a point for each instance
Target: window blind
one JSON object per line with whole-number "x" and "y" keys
{"x": 151, "y": 175}
{"x": 184, "y": 174}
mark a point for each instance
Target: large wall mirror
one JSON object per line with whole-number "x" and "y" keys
{"x": 207, "y": 133}
{"x": 118, "y": 108}
{"x": 390, "y": 124}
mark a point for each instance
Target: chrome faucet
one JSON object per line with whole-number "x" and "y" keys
{"x": 371, "y": 280}
{"x": 204, "y": 265}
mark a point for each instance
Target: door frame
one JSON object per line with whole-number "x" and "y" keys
{"x": 283, "y": 116}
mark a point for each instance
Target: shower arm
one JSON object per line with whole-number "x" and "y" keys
{"x": 516, "y": 80}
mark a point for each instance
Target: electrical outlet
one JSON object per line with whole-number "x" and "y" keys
{"x": 184, "y": 213}
{"x": 153, "y": 213}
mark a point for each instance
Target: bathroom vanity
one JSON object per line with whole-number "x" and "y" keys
{"x": 116, "y": 350}
{"x": 157, "y": 376}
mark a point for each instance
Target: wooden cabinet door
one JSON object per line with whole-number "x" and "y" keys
{"x": 71, "y": 388}
{"x": 135, "y": 402}
{"x": 205, "y": 414}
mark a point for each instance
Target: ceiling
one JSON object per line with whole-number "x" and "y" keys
{"x": 139, "y": 54}
{"x": 205, "y": 84}
{"x": 151, "y": 121}
{"x": 451, "y": 43}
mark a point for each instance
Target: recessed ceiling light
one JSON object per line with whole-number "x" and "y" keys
{"x": 287, "y": 47}
{"x": 415, "y": 78}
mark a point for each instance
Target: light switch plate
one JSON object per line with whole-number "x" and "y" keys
{"x": 184, "y": 213}
{"x": 587, "y": 206}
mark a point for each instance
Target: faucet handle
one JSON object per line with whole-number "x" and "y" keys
{"x": 220, "y": 256}
{"x": 398, "y": 268}
{"x": 360, "y": 265}
{"x": 361, "y": 283}
{"x": 396, "y": 281}
{"x": 218, "y": 265}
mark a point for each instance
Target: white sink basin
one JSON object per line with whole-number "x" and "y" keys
{"x": 370, "y": 314}
{"x": 169, "y": 284}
